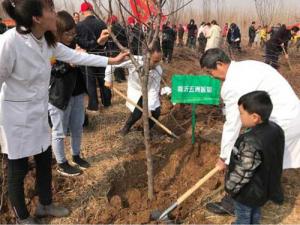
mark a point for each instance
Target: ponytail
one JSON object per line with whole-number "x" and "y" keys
{"x": 22, "y": 12}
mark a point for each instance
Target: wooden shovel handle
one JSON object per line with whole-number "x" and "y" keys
{"x": 197, "y": 185}
{"x": 150, "y": 116}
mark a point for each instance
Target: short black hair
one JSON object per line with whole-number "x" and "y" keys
{"x": 258, "y": 102}
{"x": 295, "y": 29}
{"x": 156, "y": 46}
{"x": 210, "y": 58}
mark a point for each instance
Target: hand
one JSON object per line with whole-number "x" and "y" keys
{"x": 286, "y": 56}
{"x": 78, "y": 49}
{"x": 103, "y": 37}
{"x": 108, "y": 84}
{"x": 119, "y": 58}
{"x": 221, "y": 165}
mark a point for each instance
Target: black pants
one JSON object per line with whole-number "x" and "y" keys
{"x": 17, "y": 170}
{"x": 105, "y": 93}
{"x": 168, "y": 47}
{"x": 272, "y": 55}
{"x": 137, "y": 114}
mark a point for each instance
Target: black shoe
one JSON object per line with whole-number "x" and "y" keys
{"x": 81, "y": 163}
{"x": 224, "y": 207}
{"x": 124, "y": 131}
{"x": 66, "y": 169}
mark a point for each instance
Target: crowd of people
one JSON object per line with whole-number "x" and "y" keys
{"x": 50, "y": 60}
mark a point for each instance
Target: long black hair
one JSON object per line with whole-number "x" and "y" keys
{"x": 22, "y": 12}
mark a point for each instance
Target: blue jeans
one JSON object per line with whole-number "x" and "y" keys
{"x": 246, "y": 215}
{"x": 72, "y": 118}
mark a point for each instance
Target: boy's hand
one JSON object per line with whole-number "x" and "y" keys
{"x": 108, "y": 84}
{"x": 221, "y": 165}
{"x": 103, "y": 37}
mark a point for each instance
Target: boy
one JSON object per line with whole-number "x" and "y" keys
{"x": 255, "y": 167}
{"x": 134, "y": 90}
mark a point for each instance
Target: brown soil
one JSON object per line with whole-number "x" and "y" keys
{"x": 114, "y": 189}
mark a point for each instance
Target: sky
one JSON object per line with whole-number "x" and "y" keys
{"x": 242, "y": 5}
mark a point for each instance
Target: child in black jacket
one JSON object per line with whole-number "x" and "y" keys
{"x": 255, "y": 167}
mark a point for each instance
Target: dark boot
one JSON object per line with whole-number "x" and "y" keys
{"x": 124, "y": 131}
{"x": 224, "y": 207}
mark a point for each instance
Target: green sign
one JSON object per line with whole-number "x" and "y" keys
{"x": 200, "y": 89}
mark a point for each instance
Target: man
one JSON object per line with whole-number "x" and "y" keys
{"x": 251, "y": 34}
{"x": 192, "y": 33}
{"x": 180, "y": 35}
{"x": 279, "y": 43}
{"x": 234, "y": 37}
{"x": 112, "y": 48}
{"x": 202, "y": 37}
{"x": 76, "y": 17}
{"x": 134, "y": 90}
{"x": 244, "y": 77}
{"x": 168, "y": 39}
{"x": 88, "y": 33}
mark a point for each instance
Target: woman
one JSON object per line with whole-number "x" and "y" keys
{"x": 25, "y": 55}
{"x": 66, "y": 102}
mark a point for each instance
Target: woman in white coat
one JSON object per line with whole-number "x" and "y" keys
{"x": 213, "y": 36}
{"x": 25, "y": 65}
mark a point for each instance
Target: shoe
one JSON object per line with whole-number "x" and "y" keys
{"x": 124, "y": 131}
{"x": 29, "y": 220}
{"x": 66, "y": 169}
{"x": 51, "y": 210}
{"x": 81, "y": 163}
{"x": 224, "y": 207}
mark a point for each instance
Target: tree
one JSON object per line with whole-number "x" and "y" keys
{"x": 148, "y": 43}
{"x": 266, "y": 10}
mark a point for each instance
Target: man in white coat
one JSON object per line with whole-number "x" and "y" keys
{"x": 247, "y": 76}
{"x": 134, "y": 90}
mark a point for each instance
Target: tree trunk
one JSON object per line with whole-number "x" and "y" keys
{"x": 145, "y": 76}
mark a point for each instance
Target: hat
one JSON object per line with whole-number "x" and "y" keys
{"x": 86, "y": 6}
{"x": 113, "y": 19}
{"x": 131, "y": 20}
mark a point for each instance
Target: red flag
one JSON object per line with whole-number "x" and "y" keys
{"x": 143, "y": 9}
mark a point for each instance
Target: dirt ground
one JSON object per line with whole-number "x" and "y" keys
{"x": 114, "y": 189}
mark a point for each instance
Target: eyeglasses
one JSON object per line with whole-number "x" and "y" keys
{"x": 70, "y": 34}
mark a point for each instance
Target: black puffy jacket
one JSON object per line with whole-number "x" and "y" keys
{"x": 255, "y": 168}
{"x": 66, "y": 81}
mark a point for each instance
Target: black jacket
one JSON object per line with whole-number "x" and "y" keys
{"x": 282, "y": 36}
{"x": 168, "y": 34}
{"x": 255, "y": 168}
{"x": 120, "y": 32}
{"x": 66, "y": 81}
{"x": 88, "y": 32}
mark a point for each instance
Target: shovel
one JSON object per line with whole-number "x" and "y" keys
{"x": 156, "y": 215}
{"x": 150, "y": 116}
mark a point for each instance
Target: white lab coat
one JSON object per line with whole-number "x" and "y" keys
{"x": 213, "y": 37}
{"x": 247, "y": 76}
{"x": 24, "y": 77}
{"x": 134, "y": 90}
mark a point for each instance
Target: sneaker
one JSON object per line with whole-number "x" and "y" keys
{"x": 225, "y": 207}
{"x": 29, "y": 220}
{"x": 66, "y": 169}
{"x": 51, "y": 210}
{"x": 81, "y": 163}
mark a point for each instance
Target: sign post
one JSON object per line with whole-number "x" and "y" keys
{"x": 195, "y": 90}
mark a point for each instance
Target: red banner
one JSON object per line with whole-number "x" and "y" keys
{"x": 143, "y": 9}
